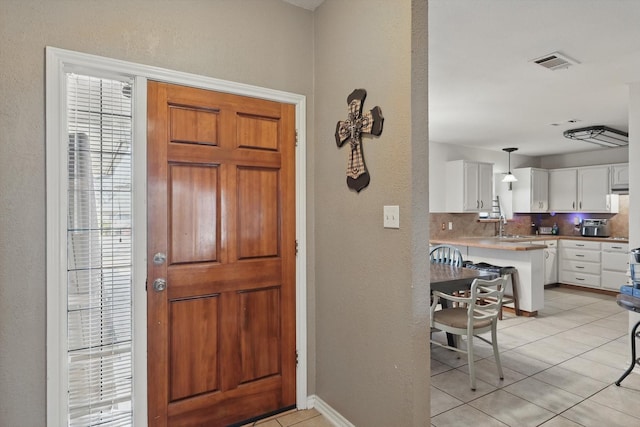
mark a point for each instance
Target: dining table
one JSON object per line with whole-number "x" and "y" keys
{"x": 448, "y": 279}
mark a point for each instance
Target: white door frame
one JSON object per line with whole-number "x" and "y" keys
{"x": 60, "y": 61}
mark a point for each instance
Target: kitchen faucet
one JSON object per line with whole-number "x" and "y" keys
{"x": 501, "y": 223}
{"x": 502, "y": 220}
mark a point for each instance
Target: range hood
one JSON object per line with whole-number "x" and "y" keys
{"x": 601, "y": 135}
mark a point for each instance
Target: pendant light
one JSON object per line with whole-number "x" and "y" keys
{"x": 509, "y": 177}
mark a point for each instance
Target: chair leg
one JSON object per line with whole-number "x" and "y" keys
{"x": 496, "y": 352}
{"x": 472, "y": 368}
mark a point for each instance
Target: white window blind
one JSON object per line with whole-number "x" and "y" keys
{"x": 99, "y": 252}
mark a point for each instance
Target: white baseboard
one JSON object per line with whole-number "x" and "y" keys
{"x": 327, "y": 411}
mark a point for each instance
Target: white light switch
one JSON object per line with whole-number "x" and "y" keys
{"x": 391, "y": 216}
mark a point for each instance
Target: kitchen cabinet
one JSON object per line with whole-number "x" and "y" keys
{"x": 593, "y": 189}
{"x": 583, "y": 189}
{"x": 531, "y": 191}
{"x": 580, "y": 263}
{"x": 551, "y": 262}
{"x": 615, "y": 265}
{"x": 563, "y": 189}
{"x": 469, "y": 186}
{"x": 620, "y": 176}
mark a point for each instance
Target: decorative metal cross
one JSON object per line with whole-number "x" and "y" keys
{"x": 352, "y": 130}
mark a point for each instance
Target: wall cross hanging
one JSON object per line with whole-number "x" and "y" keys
{"x": 352, "y": 129}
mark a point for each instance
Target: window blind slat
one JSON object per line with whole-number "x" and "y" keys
{"x": 99, "y": 252}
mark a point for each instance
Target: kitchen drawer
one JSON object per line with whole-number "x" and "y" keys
{"x": 615, "y": 247}
{"x": 579, "y": 278}
{"x": 582, "y": 267}
{"x": 617, "y": 261}
{"x": 551, "y": 243}
{"x": 613, "y": 279}
{"x": 580, "y": 244}
{"x": 580, "y": 255}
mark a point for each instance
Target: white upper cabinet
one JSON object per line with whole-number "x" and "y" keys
{"x": 620, "y": 176}
{"x": 531, "y": 191}
{"x": 469, "y": 186}
{"x": 583, "y": 189}
{"x": 485, "y": 186}
{"x": 563, "y": 190}
{"x": 593, "y": 189}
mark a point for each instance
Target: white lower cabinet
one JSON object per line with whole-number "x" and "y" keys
{"x": 551, "y": 262}
{"x": 615, "y": 265}
{"x": 580, "y": 262}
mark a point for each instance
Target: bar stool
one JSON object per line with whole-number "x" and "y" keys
{"x": 513, "y": 298}
{"x": 502, "y": 271}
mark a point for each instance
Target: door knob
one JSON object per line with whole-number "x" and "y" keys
{"x": 159, "y": 285}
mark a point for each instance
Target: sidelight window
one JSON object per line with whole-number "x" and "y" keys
{"x": 99, "y": 251}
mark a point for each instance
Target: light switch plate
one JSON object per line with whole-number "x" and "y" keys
{"x": 391, "y": 216}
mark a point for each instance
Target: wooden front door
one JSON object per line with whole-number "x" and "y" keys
{"x": 221, "y": 207}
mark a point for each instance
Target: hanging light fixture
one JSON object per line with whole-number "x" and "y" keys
{"x": 509, "y": 177}
{"x": 600, "y": 135}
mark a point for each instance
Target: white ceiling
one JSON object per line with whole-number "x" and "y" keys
{"x": 485, "y": 92}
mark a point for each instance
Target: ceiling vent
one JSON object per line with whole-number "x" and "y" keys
{"x": 600, "y": 135}
{"x": 555, "y": 61}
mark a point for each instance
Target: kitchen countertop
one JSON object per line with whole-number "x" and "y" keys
{"x": 517, "y": 242}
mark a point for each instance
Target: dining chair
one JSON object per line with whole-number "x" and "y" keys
{"x": 478, "y": 317}
{"x": 446, "y": 254}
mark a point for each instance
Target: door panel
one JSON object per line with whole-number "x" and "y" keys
{"x": 258, "y": 226}
{"x": 221, "y": 205}
{"x": 250, "y": 127}
{"x": 192, "y": 125}
{"x": 260, "y": 333}
{"x": 193, "y": 346}
{"x": 193, "y": 213}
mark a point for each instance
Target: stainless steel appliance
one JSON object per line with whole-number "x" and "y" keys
{"x": 594, "y": 228}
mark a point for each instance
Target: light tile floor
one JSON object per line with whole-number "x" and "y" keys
{"x": 305, "y": 418}
{"x": 559, "y": 370}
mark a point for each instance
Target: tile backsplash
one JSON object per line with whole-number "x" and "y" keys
{"x": 467, "y": 224}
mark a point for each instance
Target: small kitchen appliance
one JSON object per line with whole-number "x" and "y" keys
{"x": 594, "y": 228}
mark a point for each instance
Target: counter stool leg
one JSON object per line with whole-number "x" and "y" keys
{"x": 514, "y": 286}
{"x": 634, "y": 361}
{"x": 514, "y": 297}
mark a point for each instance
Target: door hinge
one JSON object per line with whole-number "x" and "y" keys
{"x": 296, "y": 247}
{"x": 296, "y": 137}
{"x": 296, "y": 357}
{"x": 146, "y": 282}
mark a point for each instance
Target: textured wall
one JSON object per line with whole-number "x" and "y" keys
{"x": 266, "y": 43}
{"x": 634, "y": 166}
{"x": 372, "y": 355}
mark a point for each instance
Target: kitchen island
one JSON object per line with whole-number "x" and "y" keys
{"x": 516, "y": 252}
{"x": 526, "y": 253}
